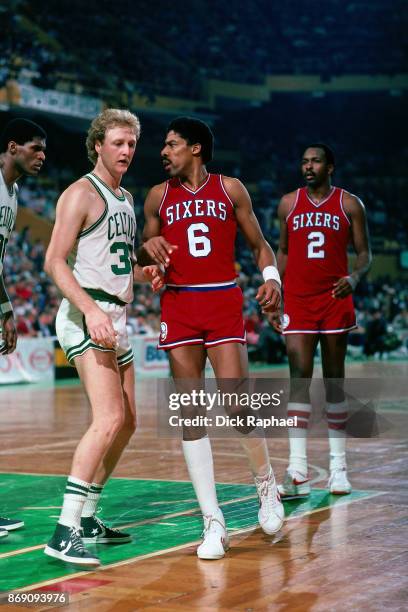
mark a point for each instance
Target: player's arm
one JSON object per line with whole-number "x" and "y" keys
{"x": 148, "y": 274}
{"x": 155, "y": 248}
{"x": 7, "y": 323}
{"x": 71, "y": 215}
{"x": 355, "y": 210}
{"x": 269, "y": 293}
{"x": 284, "y": 208}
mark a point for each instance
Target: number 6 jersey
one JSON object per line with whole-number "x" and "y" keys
{"x": 102, "y": 254}
{"x": 202, "y": 224}
{"x": 318, "y": 235}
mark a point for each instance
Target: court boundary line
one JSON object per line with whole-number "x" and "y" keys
{"x": 184, "y": 546}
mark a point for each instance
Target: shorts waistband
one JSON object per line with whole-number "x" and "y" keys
{"x": 197, "y": 288}
{"x": 102, "y": 296}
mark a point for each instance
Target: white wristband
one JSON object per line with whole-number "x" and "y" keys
{"x": 6, "y": 307}
{"x": 271, "y": 273}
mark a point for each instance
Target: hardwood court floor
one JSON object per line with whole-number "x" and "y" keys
{"x": 334, "y": 553}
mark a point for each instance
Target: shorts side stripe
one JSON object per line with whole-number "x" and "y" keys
{"x": 180, "y": 343}
{"x": 319, "y": 331}
{"x": 225, "y": 340}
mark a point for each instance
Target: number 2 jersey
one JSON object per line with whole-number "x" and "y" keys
{"x": 318, "y": 235}
{"x": 202, "y": 224}
{"x": 8, "y": 211}
{"x": 102, "y": 254}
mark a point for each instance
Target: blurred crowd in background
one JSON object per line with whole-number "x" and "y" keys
{"x": 381, "y": 307}
{"x": 149, "y": 50}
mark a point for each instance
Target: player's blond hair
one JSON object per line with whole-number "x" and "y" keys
{"x": 109, "y": 118}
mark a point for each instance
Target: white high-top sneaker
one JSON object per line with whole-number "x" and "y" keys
{"x": 215, "y": 537}
{"x": 271, "y": 513}
{"x": 338, "y": 482}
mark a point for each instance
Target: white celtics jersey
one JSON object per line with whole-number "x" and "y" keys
{"x": 102, "y": 255}
{"x": 8, "y": 211}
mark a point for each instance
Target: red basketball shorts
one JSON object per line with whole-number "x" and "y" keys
{"x": 320, "y": 314}
{"x": 201, "y": 315}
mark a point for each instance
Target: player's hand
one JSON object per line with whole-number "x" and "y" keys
{"x": 269, "y": 296}
{"x": 343, "y": 287}
{"x": 9, "y": 334}
{"x": 159, "y": 249}
{"x": 155, "y": 276}
{"x": 275, "y": 319}
{"x": 100, "y": 328}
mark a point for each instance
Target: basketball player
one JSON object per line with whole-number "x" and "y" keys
{"x": 191, "y": 223}
{"x": 22, "y": 153}
{"x": 95, "y": 230}
{"x": 317, "y": 223}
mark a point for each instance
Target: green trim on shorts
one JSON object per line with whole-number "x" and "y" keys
{"x": 125, "y": 358}
{"x": 82, "y": 347}
{"x": 91, "y": 228}
{"x": 102, "y": 296}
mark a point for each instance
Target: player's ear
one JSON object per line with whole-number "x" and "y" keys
{"x": 330, "y": 169}
{"x": 98, "y": 146}
{"x": 196, "y": 149}
{"x": 12, "y": 147}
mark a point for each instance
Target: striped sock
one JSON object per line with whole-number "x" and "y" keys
{"x": 337, "y": 415}
{"x": 298, "y": 436}
{"x": 91, "y": 504}
{"x": 75, "y": 495}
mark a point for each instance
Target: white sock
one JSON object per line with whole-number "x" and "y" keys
{"x": 199, "y": 460}
{"x": 75, "y": 495}
{"x": 256, "y": 450}
{"x": 91, "y": 503}
{"x": 298, "y": 437}
{"x": 337, "y": 416}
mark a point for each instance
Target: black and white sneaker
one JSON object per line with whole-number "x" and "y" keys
{"x": 66, "y": 545}
{"x": 10, "y": 524}
{"x": 94, "y": 531}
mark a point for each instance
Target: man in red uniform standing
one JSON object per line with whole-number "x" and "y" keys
{"x": 191, "y": 223}
{"x": 317, "y": 223}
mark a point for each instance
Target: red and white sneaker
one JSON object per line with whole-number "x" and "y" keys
{"x": 294, "y": 486}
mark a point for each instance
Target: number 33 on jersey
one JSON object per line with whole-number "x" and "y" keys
{"x": 110, "y": 242}
{"x": 203, "y": 225}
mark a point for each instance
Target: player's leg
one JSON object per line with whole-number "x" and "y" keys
{"x": 99, "y": 373}
{"x": 300, "y": 350}
{"x": 334, "y": 347}
{"x": 94, "y": 529}
{"x": 187, "y": 364}
{"x": 230, "y": 365}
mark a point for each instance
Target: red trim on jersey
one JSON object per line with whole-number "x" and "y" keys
{"x": 201, "y": 186}
{"x": 318, "y": 204}
{"x": 163, "y": 197}
{"x": 294, "y": 205}
{"x": 342, "y": 208}
{"x": 225, "y": 191}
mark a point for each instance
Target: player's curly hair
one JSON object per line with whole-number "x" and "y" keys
{"x": 195, "y": 131}
{"x": 109, "y": 118}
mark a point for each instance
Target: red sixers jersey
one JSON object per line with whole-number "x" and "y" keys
{"x": 318, "y": 235}
{"x": 203, "y": 225}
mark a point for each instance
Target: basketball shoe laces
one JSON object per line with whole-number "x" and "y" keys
{"x": 101, "y": 524}
{"x": 208, "y": 520}
{"x": 75, "y": 535}
{"x": 268, "y": 501}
